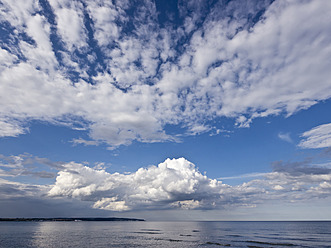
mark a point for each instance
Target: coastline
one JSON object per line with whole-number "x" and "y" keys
{"x": 70, "y": 219}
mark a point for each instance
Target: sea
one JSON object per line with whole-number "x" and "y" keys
{"x": 165, "y": 234}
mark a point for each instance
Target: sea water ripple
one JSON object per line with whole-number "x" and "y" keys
{"x": 165, "y": 234}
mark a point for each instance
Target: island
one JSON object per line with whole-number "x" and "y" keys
{"x": 71, "y": 219}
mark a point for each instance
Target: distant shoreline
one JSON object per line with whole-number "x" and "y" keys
{"x": 70, "y": 219}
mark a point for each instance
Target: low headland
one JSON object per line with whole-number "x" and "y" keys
{"x": 71, "y": 219}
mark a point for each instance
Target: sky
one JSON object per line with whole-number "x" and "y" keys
{"x": 165, "y": 110}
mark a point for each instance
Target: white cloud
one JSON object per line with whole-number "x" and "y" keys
{"x": 10, "y": 190}
{"x": 132, "y": 84}
{"x": 85, "y": 142}
{"x": 285, "y": 136}
{"x": 265, "y": 64}
{"x": 74, "y": 36}
{"x": 278, "y": 187}
{"x": 242, "y": 122}
{"x": 111, "y": 204}
{"x": 104, "y": 16}
{"x": 10, "y": 128}
{"x": 17, "y": 12}
{"x": 7, "y": 59}
{"x": 70, "y": 23}
{"x": 188, "y": 204}
{"x": 177, "y": 183}
{"x": 249, "y": 175}
{"x": 198, "y": 128}
{"x": 171, "y": 181}
{"x": 27, "y": 165}
{"x": 318, "y": 137}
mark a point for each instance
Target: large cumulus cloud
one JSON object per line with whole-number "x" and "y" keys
{"x": 173, "y": 184}
{"x": 177, "y": 183}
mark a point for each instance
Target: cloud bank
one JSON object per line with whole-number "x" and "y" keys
{"x": 172, "y": 184}
{"x": 177, "y": 183}
{"x": 120, "y": 72}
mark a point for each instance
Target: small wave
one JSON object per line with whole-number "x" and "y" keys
{"x": 269, "y": 243}
{"x": 148, "y": 232}
{"x": 186, "y": 235}
{"x": 195, "y": 231}
{"x": 151, "y": 230}
{"x": 215, "y": 243}
{"x": 171, "y": 240}
{"x": 234, "y": 235}
{"x": 175, "y": 240}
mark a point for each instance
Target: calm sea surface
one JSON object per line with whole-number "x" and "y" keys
{"x": 165, "y": 234}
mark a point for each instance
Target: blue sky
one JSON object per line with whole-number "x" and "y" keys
{"x": 194, "y": 109}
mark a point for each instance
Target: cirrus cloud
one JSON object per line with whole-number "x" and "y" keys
{"x": 317, "y": 137}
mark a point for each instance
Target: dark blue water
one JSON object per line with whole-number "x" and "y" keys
{"x": 165, "y": 234}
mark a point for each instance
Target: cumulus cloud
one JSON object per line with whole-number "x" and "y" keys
{"x": 124, "y": 76}
{"x": 70, "y": 13}
{"x": 173, "y": 181}
{"x": 318, "y": 137}
{"x": 177, "y": 183}
{"x": 173, "y": 184}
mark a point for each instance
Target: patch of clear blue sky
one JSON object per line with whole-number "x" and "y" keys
{"x": 244, "y": 150}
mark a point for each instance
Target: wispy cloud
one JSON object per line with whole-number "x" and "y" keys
{"x": 249, "y": 175}
{"x": 318, "y": 137}
{"x": 10, "y": 128}
{"x": 285, "y": 137}
{"x": 27, "y": 165}
{"x": 12, "y": 190}
{"x": 85, "y": 142}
